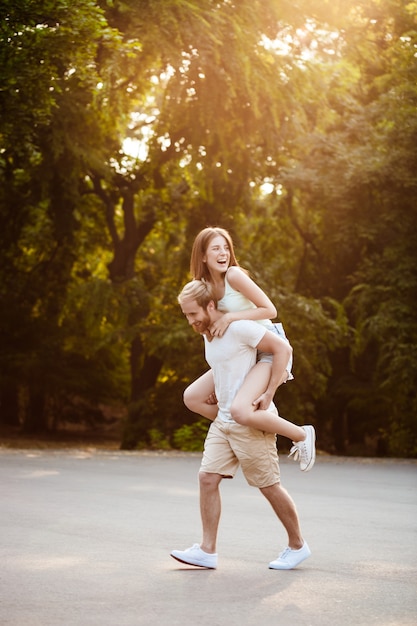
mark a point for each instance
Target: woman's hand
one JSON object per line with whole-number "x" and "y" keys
{"x": 219, "y": 327}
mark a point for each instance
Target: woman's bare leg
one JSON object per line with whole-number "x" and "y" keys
{"x": 200, "y": 398}
{"x": 245, "y": 413}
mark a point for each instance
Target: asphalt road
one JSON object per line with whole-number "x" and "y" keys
{"x": 85, "y": 538}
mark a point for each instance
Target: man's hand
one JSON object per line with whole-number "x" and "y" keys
{"x": 263, "y": 401}
{"x": 211, "y": 399}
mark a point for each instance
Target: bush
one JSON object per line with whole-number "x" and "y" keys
{"x": 158, "y": 441}
{"x": 190, "y": 437}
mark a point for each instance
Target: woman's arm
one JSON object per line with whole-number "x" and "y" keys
{"x": 241, "y": 282}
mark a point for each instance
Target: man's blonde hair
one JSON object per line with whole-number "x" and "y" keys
{"x": 198, "y": 290}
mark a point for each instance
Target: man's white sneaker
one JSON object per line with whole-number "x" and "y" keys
{"x": 288, "y": 559}
{"x": 305, "y": 451}
{"x": 196, "y": 556}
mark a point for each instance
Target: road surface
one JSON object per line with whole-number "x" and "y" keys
{"x": 86, "y": 536}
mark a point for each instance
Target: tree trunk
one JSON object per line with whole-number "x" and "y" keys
{"x": 35, "y": 421}
{"x": 9, "y": 405}
{"x": 145, "y": 369}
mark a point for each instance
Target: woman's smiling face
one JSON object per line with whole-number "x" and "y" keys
{"x": 217, "y": 254}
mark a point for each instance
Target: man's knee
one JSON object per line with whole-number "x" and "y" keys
{"x": 208, "y": 480}
{"x": 275, "y": 488}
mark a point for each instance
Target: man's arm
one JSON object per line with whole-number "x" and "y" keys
{"x": 281, "y": 352}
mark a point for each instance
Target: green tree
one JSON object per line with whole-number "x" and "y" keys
{"x": 207, "y": 100}
{"x": 128, "y": 126}
{"x": 47, "y": 89}
{"x": 352, "y": 197}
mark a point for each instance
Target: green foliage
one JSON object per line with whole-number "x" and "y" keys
{"x": 358, "y": 177}
{"x": 190, "y": 437}
{"x": 317, "y": 100}
{"x": 400, "y": 441}
{"x": 158, "y": 441}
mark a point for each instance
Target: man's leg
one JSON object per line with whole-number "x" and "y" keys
{"x": 204, "y": 555}
{"x": 210, "y": 509}
{"x": 284, "y": 507}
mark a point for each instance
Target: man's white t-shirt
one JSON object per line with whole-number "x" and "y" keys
{"x": 230, "y": 358}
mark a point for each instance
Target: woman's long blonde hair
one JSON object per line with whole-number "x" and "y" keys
{"x": 198, "y": 269}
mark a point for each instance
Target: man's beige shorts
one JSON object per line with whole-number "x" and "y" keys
{"x": 229, "y": 445}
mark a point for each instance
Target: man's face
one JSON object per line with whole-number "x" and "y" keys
{"x": 196, "y": 316}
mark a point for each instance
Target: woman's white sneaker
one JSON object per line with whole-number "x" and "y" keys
{"x": 305, "y": 451}
{"x": 288, "y": 559}
{"x": 196, "y": 556}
